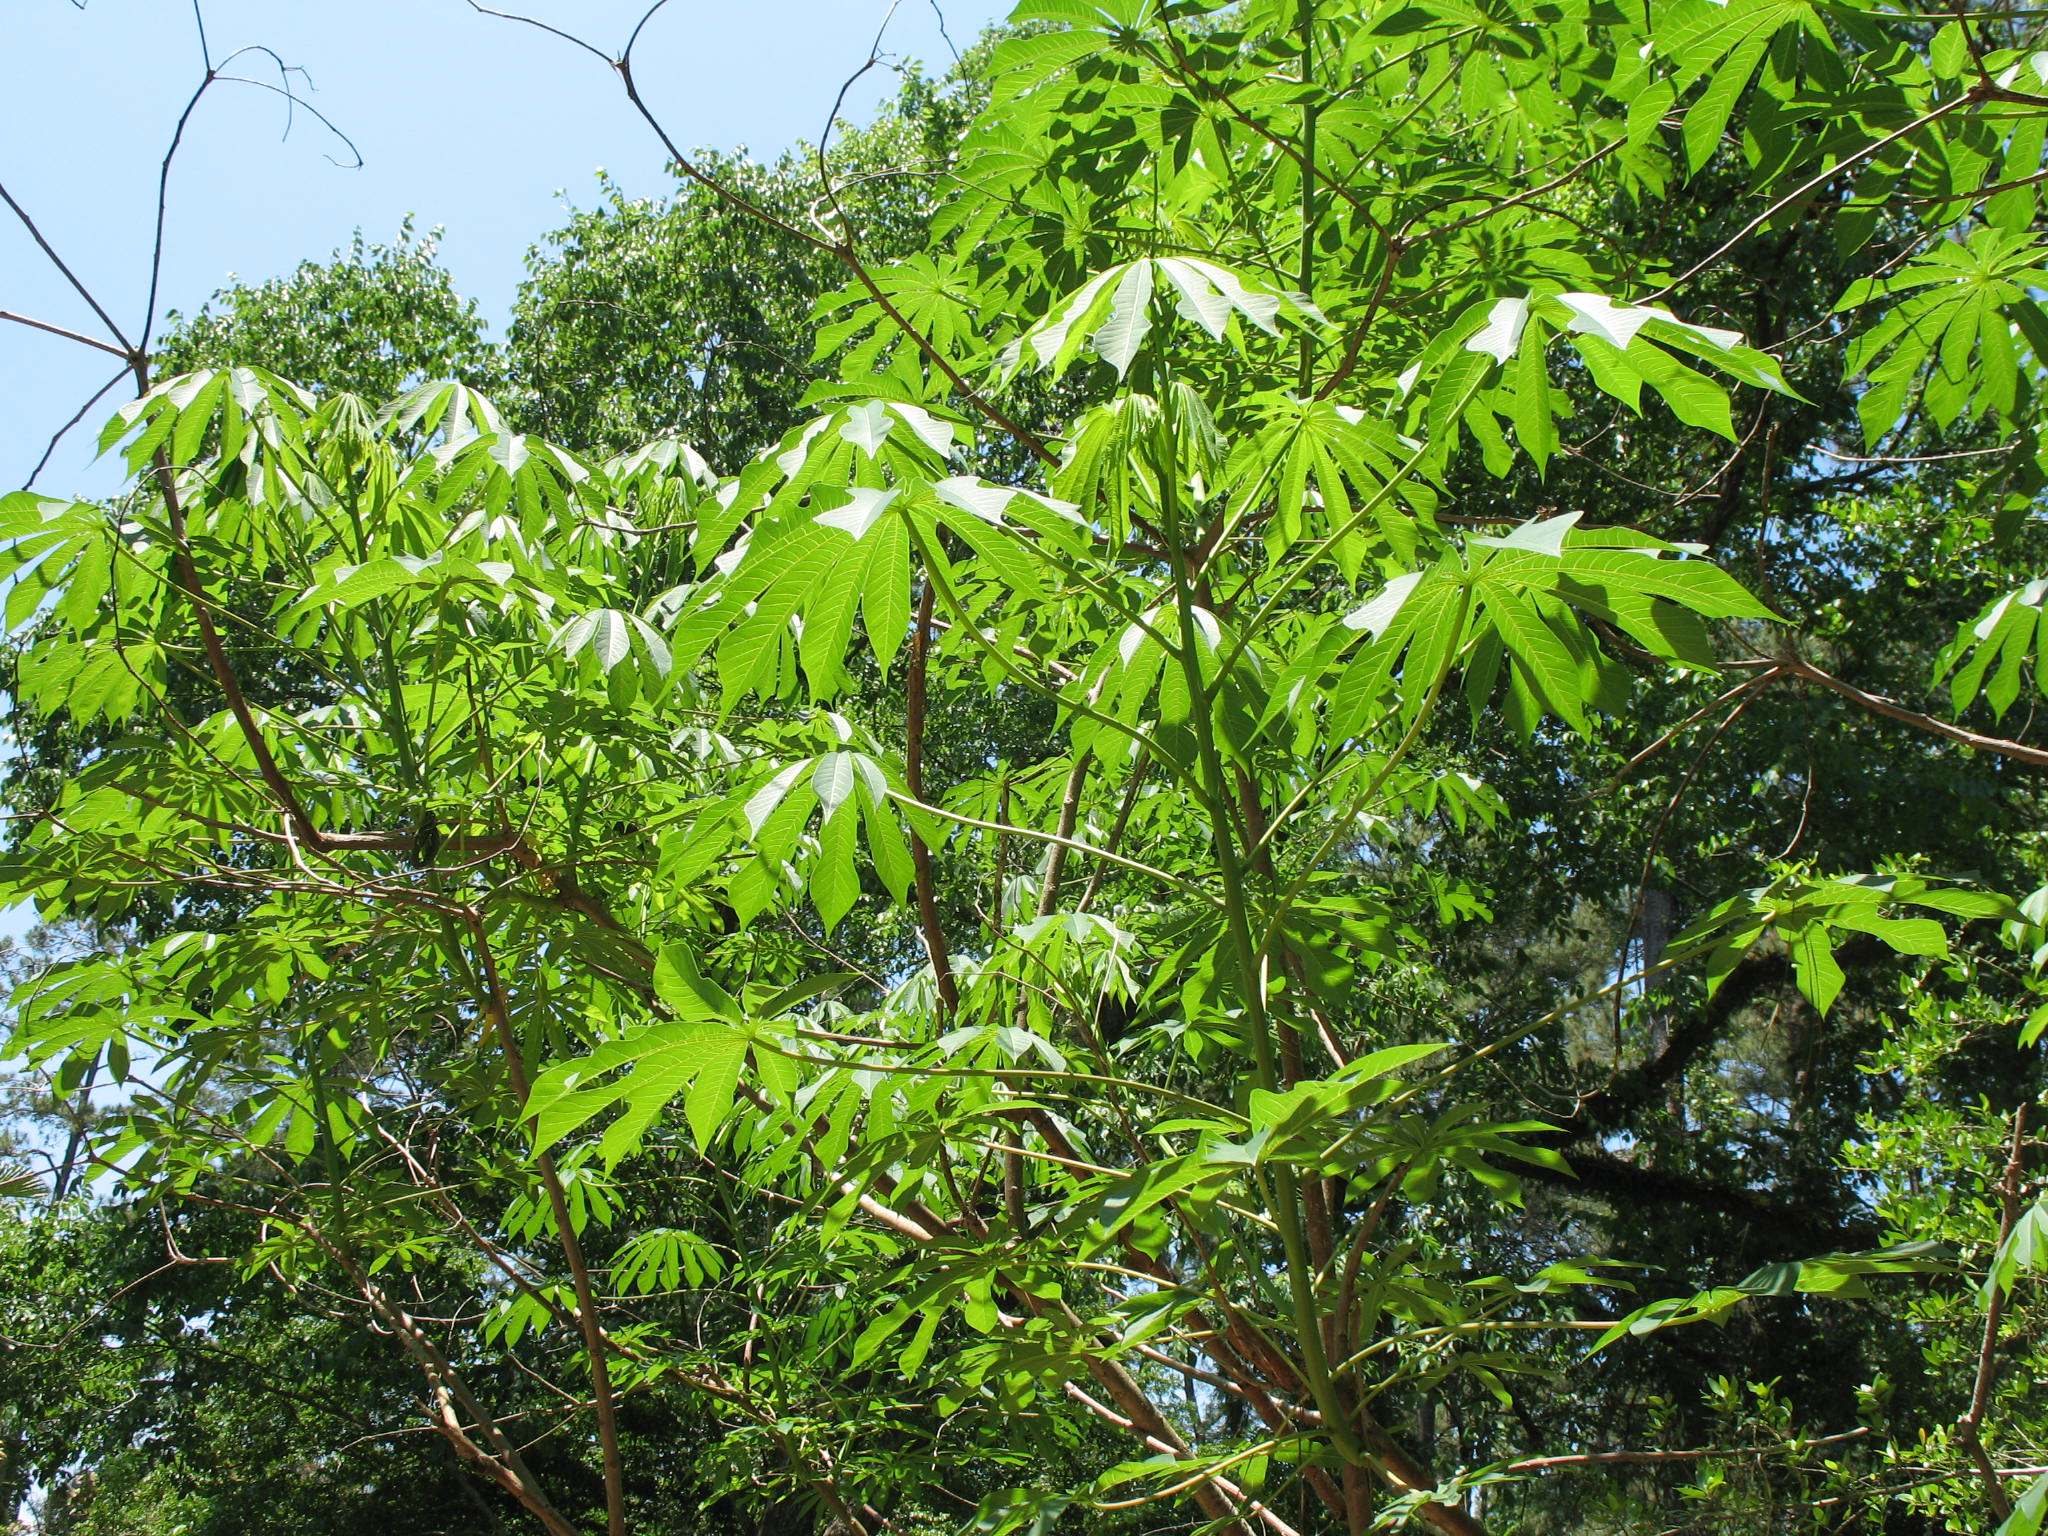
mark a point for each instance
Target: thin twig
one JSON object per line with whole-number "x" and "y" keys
{"x": 58, "y": 436}
{"x": 1644, "y": 1458}
{"x": 1968, "y": 1427}
{"x": 498, "y": 1009}
{"x": 67, "y": 334}
{"x": 1973, "y": 96}
{"x": 1892, "y": 709}
{"x": 915, "y": 709}
{"x": 35, "y": 234}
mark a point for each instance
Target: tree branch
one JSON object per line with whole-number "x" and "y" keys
{"x": 1892, "y": 709}
{"x": 70, "y": 335}
{"x": 1646, "y": 1458}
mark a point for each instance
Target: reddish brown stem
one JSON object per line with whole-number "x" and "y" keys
{"x": 501, "y": 1463}
{"x": 915, "y": 713}
{"x": 594, "y": 1343}
{"x": 1651, "y": 1458}
{"x": 1892, "y": 709}
{"x": 1967, "y": 1429}
{"x": 217, "y": 659}
{"x": 1070, "y": 815}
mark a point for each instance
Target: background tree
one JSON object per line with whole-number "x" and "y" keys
{"x": 690, "y": 316}
{"x": 373, "y": 321}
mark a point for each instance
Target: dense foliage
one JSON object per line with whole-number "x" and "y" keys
{"x": 1196, "y": 787}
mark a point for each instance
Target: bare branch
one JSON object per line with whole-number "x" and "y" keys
{"x": 634, "y": 41}
{"x": 21, "y": 213}
{"x": 567, "y": 37}
{"x": 295, "y": 102}
{"x": 78, "y": 416}
{"x": 1878, "y": 704}
{"x": 1645, "y": 1458}
{"x": 841, "y": 250}
{"x": 69, "y": 335}
{"x": 940, "y": 13}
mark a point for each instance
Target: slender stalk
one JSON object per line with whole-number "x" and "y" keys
{"x": 502, "y": 1463}
{"x": 1969, "y": 1427}
{"x": 1070, "y": 815}
{"x": 1252, "y": 977}
{"x": 594, "y": 1344}
{"x": 915, "y": 711}
{"x": 1115, "y": 839}
{"x": 217, "y": 658}
{"x": 1001, "y": 862}
{"x": 1307, "y": 276}
{"x": 1106, "y": 855}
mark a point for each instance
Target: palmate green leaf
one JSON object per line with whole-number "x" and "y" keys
{"x": 2029, "y": 1511}
{"x": 523, "y": 1312}
{"x": 1113, "y": 311}
{"x": 1624, "y": 346}
{"x": 1330, "y": 459}
{"x": 20, "y": 1184}
{"x": 1310, "y": 1108}
{"x": 24, "y": 514}
{"x": 97, "y": 677}
{"x": 54, "y": 548}
{"x": 849, "y": 790}
{"x": 1421, "y": 1149}
{"x": 1950, "y": 335}
{"x": 247, "y": 410}
{"x": 699, "y": 1060}
{"x": 920, "y": 1302}
{"x": 2024, "y": 1251}
{"x": 794, "y": 574}
{"x": 455, "y": 409}
{"x": 1434, "y": 611}
{"x": 1844, "y": 1276}
{"x": 664, "y": 1260}
{"x": 1527, "y": 593}
{"x": 1997, "y": 645}
{"x": 343, "y": 587}
{"x": 1813, "y": 916}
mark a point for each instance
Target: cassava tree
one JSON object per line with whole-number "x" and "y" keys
{"x": 603, "y": 935}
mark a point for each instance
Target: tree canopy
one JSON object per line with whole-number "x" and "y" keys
{"x": 1272, "y": 770}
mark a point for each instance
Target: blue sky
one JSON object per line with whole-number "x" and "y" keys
{"x": 462, "y": 120}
